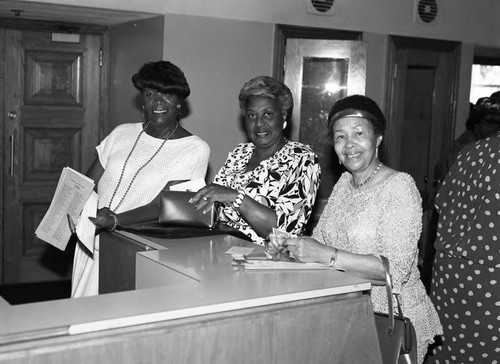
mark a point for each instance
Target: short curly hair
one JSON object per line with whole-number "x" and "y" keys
{"x": 366, "y": 107}
{"x": 162, "y": 76}
{"x": 267, "y": 87}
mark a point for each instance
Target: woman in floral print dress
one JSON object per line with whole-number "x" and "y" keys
{"x": 269, "y": 181}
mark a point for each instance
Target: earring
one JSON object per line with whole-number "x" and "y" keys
{"x": 179, "y": 112}
{"x": 376, "y": 152}
{"x": 285, "y": 124}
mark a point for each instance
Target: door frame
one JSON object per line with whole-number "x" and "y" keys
{"x": 393, "y": 108}
{"x": 283, "y": 32}
{"x": 2, "y": 153}
{"x": 57, "y": 27}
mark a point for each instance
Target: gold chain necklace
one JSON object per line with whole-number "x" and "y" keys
{"x": 140, "y": 169}
{"x": 369, "y": 178}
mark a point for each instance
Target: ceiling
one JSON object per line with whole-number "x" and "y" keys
{"x": 68, "y": 14}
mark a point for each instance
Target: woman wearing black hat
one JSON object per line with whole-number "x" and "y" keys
{"x": 137, "y": 160}
{"x": 373, "y": 210}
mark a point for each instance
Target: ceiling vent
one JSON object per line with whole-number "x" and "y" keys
{"x": 427, "y": 11}
{"x": 320, "y": 7}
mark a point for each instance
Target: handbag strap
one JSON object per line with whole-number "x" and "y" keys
{"x": 388, "y": 288}
{"x": 400, "y": 310}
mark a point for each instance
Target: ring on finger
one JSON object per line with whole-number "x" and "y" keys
{"x": 205, "y": 198}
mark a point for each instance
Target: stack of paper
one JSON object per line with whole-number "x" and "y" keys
{"x": 270, "y": 264}
{"x": 72, "y": 193}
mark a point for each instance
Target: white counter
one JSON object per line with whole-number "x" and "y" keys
{"x": 208, "y": 284}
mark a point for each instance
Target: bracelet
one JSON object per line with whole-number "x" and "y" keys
{"x": 239, "y": 199}
{"x": 115, "y": 218}
{"x": 334, "y": 257}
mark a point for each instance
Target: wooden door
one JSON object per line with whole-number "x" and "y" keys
{"x": 422, "y": 99}
{"x": 51, "y": 120}
{"x": 319, "y": 72}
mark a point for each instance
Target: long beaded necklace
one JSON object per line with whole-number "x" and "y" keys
{"x": 369, "y": 178}
{"x": 140, "y": 169}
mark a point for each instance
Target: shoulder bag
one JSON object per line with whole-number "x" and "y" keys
{"x": 396, "y": 334}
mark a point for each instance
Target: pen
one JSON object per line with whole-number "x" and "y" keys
{"x": 71, "y": 224}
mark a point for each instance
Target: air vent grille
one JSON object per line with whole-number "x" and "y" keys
{"x": 427, "y": 10}
{"x": 320, "y": 7}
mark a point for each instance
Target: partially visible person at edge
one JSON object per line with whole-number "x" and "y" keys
{"x": 269, "y": 181}
{"x": 137, "y": 160}
{"x": 465, "y": 284}
{"x": 483, "y": 121}
{"x": 373, "y": 210}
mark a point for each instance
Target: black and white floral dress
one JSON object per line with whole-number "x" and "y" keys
{"x": 287, "y": 182}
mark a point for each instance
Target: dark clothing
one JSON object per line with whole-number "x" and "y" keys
{"x": 465, "y": 286}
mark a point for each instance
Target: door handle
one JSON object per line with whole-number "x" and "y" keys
{"x": 435, "y": 182}
{"x": 12, "y": 115}
{"x": 11, "y": 142}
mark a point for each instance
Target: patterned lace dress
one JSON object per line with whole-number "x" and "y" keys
{"x": 384, "y": 220}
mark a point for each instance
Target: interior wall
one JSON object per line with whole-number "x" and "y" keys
{"x": 222, "y": 43}
{"x": 217, "y": 56}
{"x": 459, "y": 20}
{"x": 376, "y": 66}
{"x": 131, "y": 45}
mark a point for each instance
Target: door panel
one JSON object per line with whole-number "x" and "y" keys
{"x": 320, "y": 72}
{"x": 421, "y": 112}
{"x": 53, "y": 78}
{"x": 417, "y": 123}
{"x": 420, "y": 127}
{"x": 53, "y": 88}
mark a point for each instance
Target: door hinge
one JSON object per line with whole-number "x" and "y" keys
{"x": 100, "y": 57}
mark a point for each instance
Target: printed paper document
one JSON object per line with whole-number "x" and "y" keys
{"x": 72, "y": 193}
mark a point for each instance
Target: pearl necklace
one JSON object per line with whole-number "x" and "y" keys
{"x": 140, "y": 169}
{"x": 368, "y": 179}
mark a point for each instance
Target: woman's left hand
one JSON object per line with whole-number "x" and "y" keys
{"x": 307, "y": 250}
{"x": 212, "y": 193}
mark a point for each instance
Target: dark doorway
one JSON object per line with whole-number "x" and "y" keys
{"x": 422, "y": 86}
